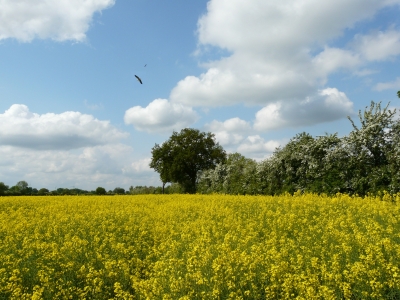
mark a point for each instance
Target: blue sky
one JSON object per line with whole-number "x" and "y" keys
{"x": 253, "y": 72}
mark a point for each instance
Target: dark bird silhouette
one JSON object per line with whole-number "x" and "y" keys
{"x": 145, "y": 65}
{"x": 140, "y": 80}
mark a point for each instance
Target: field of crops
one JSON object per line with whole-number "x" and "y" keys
{"x": 199, "y": 247}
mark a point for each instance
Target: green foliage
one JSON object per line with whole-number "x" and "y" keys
{"x": 184, "y": 155}
{"x": 3, "y": 189}
{"x": 43, "y": 191}
{"x": 143, "y": 190}
{"x": 22, "y": 186}
{"x": 101, "y": 191}
{"x": 119, "y": 191}
{"x": 365, "y": 161}
{"x": 368, "y": 149}
{"x": 235, "y": 176}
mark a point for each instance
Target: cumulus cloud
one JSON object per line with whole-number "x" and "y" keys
{"x": 328, "y": 105}
{"x": 268, "y": 25}
{"x": 332, "y": 59}
{"x": 108, "y": 166}
{"x": 229, "y": 132}
{"x": 160, "y": 116}
{"x": 142, "y": 165}
{"x": 257, "y": 148}
{"x": 388, "y": 85}
{"x": 377, "y": 46}
{"x": 69, "y": 130}
{"x": 59, "y": 20}
{"x": 244, "y": 79}
{"x": 279, "y": 50}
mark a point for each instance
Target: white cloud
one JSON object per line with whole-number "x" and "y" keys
{"x": 108, "y": 166}
{"x": 142, "y": 165}
{"x": 257, "y": 148}
{"x": 229, "y": 132}
{"x": 244, "y": 79}
{"x": 65, "y": 150}
{"x": 328, "y": 105}
{"x": 59, "y": 20}
{"x": 364, "y": 72}
{"x": 160, "y": 116}
{"x": 279, "y": 50}
{"x": 69, "y": 130}
{"x": 388, "y": 85}
{"x": 268, "y": 25}
{"x": 278, "y": 55}
{"x": 378, "y": 46}
{"x": 333, "y": 59}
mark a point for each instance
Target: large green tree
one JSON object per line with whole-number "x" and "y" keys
{"x": 184, "y": 156}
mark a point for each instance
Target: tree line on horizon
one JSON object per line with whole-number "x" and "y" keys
{"x": 22, "y": 188}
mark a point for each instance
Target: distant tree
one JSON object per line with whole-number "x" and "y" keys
{"x": 398, "y": 94}
{"x": 3, "y": 189}
{"x": 141, "y": 190}
{"x": 101, "y": 191}
{"x": 66, "y": 191}
{"x": 43, "y": 191}
{"x": 119, "y": 190}
{"x": 181, "y": 158}
{"x": 22, "y": 187}
{"x": 174, "y": 188}
{"x": 14, "y": 190}
{"x": 76, "y": 191}
{"x": 31, "y": 191}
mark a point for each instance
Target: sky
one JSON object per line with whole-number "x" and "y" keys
{"x": 255, "y": 73}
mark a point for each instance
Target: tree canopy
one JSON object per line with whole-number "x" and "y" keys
{"x": 184, "y": 155}
{"x": 101, "y": 191}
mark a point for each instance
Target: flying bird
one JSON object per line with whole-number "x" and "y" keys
{"x": 140, "y": 80}
{"x": 145, "y": 65}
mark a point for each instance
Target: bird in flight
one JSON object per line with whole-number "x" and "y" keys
{"x": 145, "y": 65}
{"x": 140, "y": 80}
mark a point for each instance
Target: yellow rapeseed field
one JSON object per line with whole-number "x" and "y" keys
{"x": 199, "y": 247}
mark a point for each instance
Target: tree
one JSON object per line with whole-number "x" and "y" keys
{"x": 43, "y": 191}
{"x": 119, "y": 190}
{"x": 369, "y": 148}
{"x": 235, "y": 176}
{"x": 3, "y": 188}
{"x": 398, "y": 94}
{"x": 101, "y": 191}
{"x": 22, "y": 187}
{"x": 181, "y": 158}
